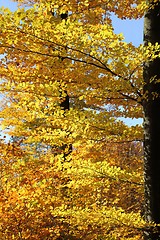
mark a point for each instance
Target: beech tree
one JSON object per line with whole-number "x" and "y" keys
{"x": 72, "y": 168}
{"x": 151, "y": 121}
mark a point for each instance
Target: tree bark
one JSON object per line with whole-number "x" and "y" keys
{"x": 151, "y": 105}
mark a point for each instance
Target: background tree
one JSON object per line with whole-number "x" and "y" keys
{"x": 47, "y": 61}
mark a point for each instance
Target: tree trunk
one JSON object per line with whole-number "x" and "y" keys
{"x": 67, "y": 149}
{"x": 151, "y": 107}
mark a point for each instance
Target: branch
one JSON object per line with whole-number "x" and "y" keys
{"x": 102, "y": 66}
{"x": 86, "y": 54}
{"x": 104, "y": 175}
{"x": 117, "y": 142}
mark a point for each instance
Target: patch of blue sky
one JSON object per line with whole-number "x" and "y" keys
{"x": 8, "y": 4}
{"x": 132, "y": 121}
{"x": 132, "y": 31}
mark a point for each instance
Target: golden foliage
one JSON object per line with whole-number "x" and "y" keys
{"x": 48, "y": 191}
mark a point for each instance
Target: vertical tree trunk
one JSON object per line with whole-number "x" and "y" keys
{"x": 65, "y": 102}
{"x": 151, "y": 106}
{"x": 67, "y": 149}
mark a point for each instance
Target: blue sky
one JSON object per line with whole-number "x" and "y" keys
{"x": 132, "y": 29}
{"x": 8, "y": 4}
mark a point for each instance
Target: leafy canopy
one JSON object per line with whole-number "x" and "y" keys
{"x": 58, "y": 51}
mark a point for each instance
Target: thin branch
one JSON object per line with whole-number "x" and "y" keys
{"x": 129, "y": 97}
{"x": 117, "y": 142}
{"x": 78, "y": 60}
{"x": 104, "y": 175}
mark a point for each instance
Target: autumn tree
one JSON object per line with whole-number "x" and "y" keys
{"x": 67, "y": 81}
